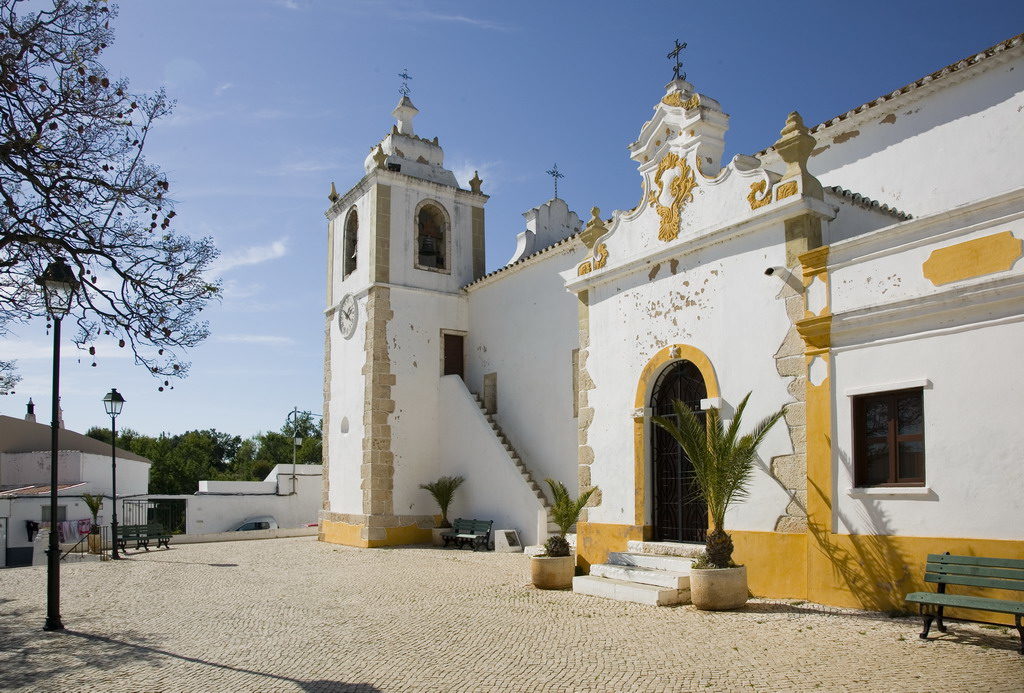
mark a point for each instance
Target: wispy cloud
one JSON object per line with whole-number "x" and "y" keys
{"x": 221, "y": 88}
{"x": 431, "y": 16}
{"x": 253, "y": 255}
{"x": 32, "y": 350}
{"x": 487, "y": 170}
{"x": 289, "y": 4}
{"x": 269, "y": 339}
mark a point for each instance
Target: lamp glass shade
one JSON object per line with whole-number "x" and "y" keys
{"x": 58, "y": 284}
{"x": 298, "y": 441}
{"x": 112, "y": 402}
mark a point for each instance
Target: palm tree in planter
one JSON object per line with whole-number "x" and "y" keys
{"x": 723, "y": 464}
{"x": 443, "y": 490}
{"x": 555, "y": 568}
{"x": 94, "y": 503}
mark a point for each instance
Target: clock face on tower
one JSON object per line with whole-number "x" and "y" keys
{"x": 348, "y": 315}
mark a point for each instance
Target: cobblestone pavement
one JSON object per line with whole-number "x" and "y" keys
{"x": 298, "y": 615}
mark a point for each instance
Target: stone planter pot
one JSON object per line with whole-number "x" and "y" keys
{"x": 436, "y": 539}
{"x": 718, "y": 589}
{"x": 95, "y": 542}
{"x": 552, "y": 573}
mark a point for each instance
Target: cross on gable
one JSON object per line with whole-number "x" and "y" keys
{"x": 674, "y": 55}
{"x": 404, "y": 89}
{"x": 555, "y": 174}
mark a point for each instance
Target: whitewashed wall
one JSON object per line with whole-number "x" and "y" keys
{"x": 939, "y": 146}
{"x": 893, "y": 328}
{"x": 524, "y": 327}
{"x": 345, "y": 426}
{"x": 494, "y": 489}
{"x": 406, "y": 195}
{"x": 209, "y": 513}
{"x": 719, "y": 301}
{"x": 415, "y": 348}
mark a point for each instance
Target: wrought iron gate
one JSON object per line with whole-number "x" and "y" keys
{"x": 680, "y": 512}
{"x": 169, "y": 513}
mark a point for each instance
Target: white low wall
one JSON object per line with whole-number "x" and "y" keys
{"x": 243, "y": 536}
{"x": 494, "y": 488}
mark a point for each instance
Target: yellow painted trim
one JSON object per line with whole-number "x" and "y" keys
{"x": 974, "y": 258}
{"x": 675, "y": 352}
{"x": 595, "y": 540}
{"x": 352, "y": 535}
{"x": 814, "y": 262}
{"x": 861, "y": 571}
{"x": 682, "y": 352}
{"x": 776, "y": 563}
{"x": 341, "y": 533}
{"x": 403, "y": 536}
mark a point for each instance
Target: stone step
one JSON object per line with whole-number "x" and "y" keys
{"x": 624, "y": 591}
{"x": 675, "y": 579}
{"x": 666, "y": 548}
{"x": 648, "y": 560}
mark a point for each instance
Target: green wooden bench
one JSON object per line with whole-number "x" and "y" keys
{"x": 998, "y": 573}
{"x": 142, "y": 535}
{"x": 475, "y": 533}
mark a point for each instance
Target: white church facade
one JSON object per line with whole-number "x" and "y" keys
{"x": 888, "y": 320}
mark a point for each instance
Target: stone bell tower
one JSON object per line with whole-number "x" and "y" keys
{"x": 401, "y": 244}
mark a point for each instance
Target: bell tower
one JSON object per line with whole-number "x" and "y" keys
{"x": 402, "y": 242}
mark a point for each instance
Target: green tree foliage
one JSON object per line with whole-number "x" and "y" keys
{"x": 181, "y": 461}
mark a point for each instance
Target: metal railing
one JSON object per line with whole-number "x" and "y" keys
{"x": 100, "y": 545}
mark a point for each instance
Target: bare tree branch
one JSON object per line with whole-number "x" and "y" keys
{"x": 74, "y": 184}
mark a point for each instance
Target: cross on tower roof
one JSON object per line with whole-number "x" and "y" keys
{"x": 404, "y": 89}
{"x": 556, "y": 174}
{"x": 674, "y": 54}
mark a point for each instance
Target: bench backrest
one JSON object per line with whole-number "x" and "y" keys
{"x": 155, "y": 528}
{"x": 999, "y": 573}
{"x": 481, "y": 527}
{"x": 461, "y": 526}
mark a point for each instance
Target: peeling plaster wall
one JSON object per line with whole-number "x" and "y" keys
{"x": 719, "y": 301}
{"x": 524, "y": 328}
{"x": 415, "y": 350}
{"x": 957, "y": 144}
{"x": 893, "y": 328}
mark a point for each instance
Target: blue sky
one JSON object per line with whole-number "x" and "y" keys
{"x": 277, "y": 98}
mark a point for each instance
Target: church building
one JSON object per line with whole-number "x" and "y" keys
{"x": 864, "y": 272}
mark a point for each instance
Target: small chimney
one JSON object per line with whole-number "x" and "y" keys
{"x": 31, "y": 414}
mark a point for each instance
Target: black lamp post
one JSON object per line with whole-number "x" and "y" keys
{"x": 58, "y": 286}
{"x": 112, "y": 402}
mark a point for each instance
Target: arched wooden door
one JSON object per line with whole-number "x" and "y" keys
{"x": 680, "y": 513}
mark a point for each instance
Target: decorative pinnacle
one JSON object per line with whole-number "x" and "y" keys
{"x": 404, "y": 89}
{"x": 674, "y": 55}
{"x": 556, "y": 174}
{"x": 476, "y": 182}
{"x": 333, "y": 195}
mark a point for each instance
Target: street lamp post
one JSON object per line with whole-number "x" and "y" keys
{"x": 293, "y": 416}
{"x": 58, "y": 286}
{"x": 113, "y": 402}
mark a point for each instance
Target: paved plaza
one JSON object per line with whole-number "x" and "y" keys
{"x": 295, "y": 614}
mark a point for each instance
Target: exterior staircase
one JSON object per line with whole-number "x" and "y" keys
{"x": 641, "y": 575}
{"x": 517, "y": 460}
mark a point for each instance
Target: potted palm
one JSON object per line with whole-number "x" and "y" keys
{"x": 554, "y": 569}
{"x": 723, "y": 464}
{"x": 94, "y": 503}
{"x": 443, "y": 490}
